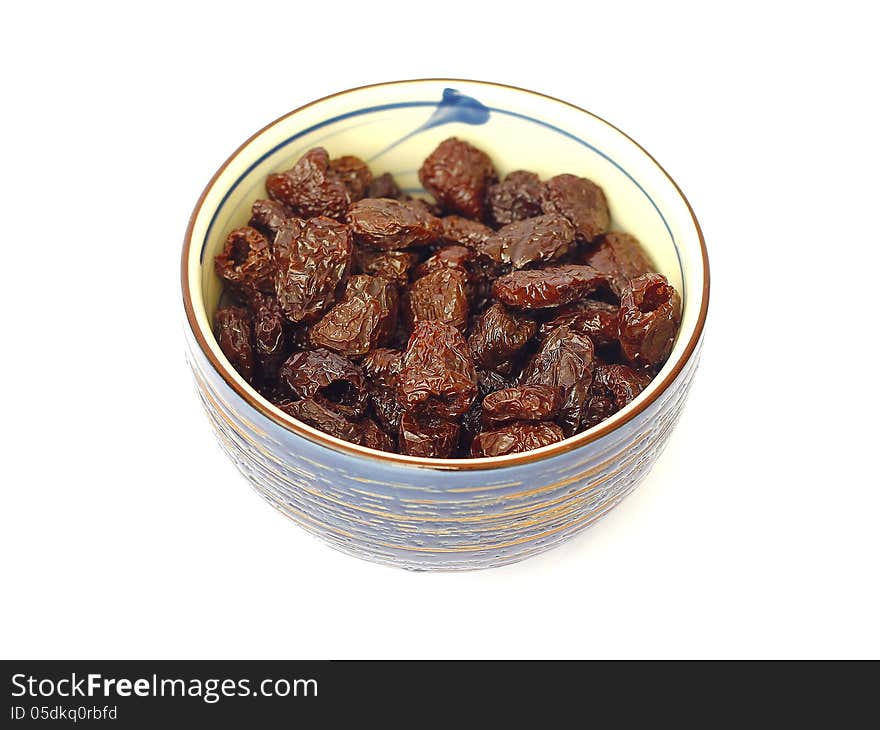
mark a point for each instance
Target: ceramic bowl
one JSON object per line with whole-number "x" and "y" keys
{"x": 430, "y": 514}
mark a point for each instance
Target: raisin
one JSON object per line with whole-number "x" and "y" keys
{"x": 391, "y": 265}
{"x": 498, "y": 335}
{"x": 457, "y": 175}
{"x": 620, "y": 257}
{"x": 591, "y": 317}
{"x": 442, "y": 296}
{"x": 269, "y": 335}
{"x": 437, "y": 374}
{"x": 448, "y": 257}
{"x": 313, "y": 259}
{"x": 392, "y": 224}
{"x": 354, "y": 174}
{"x": 515, "y": 438}
{"x": 539, "y": 239}
{"x": 565, "y": 360}
{"x": 427, "y": 436}
{"x": 549, "y": 287}
{"x": 364, "y": 319}
{"x": 515, "y": 199}
{"x": 246, "y": 262}
{"x": 465, "y": 232}
{"x": 614, "y": 386}
{"x": 233, "y": 329}
{"x": 581, "y": 201}
{"x": 650, "y": 312}
{"x": 268, "y": 216}
{"x": 383, "y": 186}
{"x": 324, "y": 373}
{"x": 318, "y": 414}
{"x": 310, "y": 188}
{"x": 374, "y": 437}
{"x": 522, "y": 403}
{"x": 382, "y": 367}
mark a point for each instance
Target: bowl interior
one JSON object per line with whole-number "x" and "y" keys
{"x": 395, "y": 126}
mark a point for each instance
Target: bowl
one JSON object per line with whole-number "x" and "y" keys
{"x": 446, "y": 514}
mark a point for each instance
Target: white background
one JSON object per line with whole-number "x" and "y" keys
{"x": 126, "y": 533}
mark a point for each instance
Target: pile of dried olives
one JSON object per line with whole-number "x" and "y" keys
{"x": 502, "y": 317}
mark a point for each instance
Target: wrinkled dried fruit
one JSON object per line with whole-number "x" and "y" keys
{"x": 522, "y": 403}
{"x": 515, "y": 438}
{"x": 448, "y": 257}
{"x": 391, "y": 265}
{"x": 441, "y": 296}
{"x": 565, "y": 360}
{"x": 465, "y": 232}
{"x": 324, "y": 373}
{"x": 457, "y": 175}
{"x": 233, "y": 329}
{"x": 362, "y": 320}
{"x": 438, "y": 374}
{"x": 384, "y": 186}
{"x": 539, "y": 239}
{"x": 613, "y": 387}
{"x": 515, "y": 199}
{"x": 591, "y": 317}
{"x": 581, "y": 201}
{"x": 498, "y": 335}
{"x": 269, "y": 335}
{"x": 246, "y": 262}
{"x": 319, "y": 414}
{"x": 338, "y": 267}
{"x": 354, "y": 173}
{"x": 549, "y": 287}
{"x": 620, "y": 257}
{"x": 650, "y": 312}
{"x": 428, "y": 436}
{"x": 268, "y": 216}
{"x": 382, "y": 367}
{"x": 392, "y": 224}
{"x": 313, "y": 258}
{"x": 310, "y": 188}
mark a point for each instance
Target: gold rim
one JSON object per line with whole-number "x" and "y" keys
{"x": 301, "y": 429}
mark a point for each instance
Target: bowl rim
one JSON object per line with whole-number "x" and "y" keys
{"x": 591, "y": 435}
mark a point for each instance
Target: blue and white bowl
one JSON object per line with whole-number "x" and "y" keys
{"x": 432, "y": 514}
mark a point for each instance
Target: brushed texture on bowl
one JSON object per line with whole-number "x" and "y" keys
{"x": 461, "y": 514}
